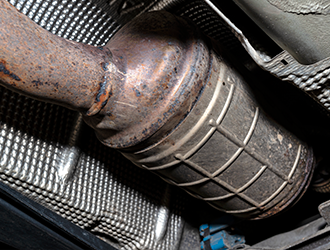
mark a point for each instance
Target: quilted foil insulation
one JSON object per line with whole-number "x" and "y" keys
{"x": 90, "y": 185}
{"x": 48, "y": 154}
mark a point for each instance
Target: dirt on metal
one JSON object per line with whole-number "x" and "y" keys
{"x": 47, "y": 67}
{"x": 159, "y": 93}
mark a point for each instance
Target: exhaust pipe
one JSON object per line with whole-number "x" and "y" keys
{"x": 167, "y": 101}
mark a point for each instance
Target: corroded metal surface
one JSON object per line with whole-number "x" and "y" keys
{"x": 228, "y": 153}
{"x": 83, "y": 181}
{"x": 48, "y": 67}
{"x": 161, "y": 71}
{"x": 153, "y": 67}
{"x": 172, "y": 106}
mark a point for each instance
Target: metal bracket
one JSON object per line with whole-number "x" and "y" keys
{"x": 310, "y": 78}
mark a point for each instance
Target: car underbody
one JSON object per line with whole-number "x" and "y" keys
{"x": 63, "y": 189}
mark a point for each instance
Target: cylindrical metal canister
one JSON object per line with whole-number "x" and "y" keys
{"x": 160, "y": 94}
{"x": 229, "y": 153}
{"x": 223, "y": 149}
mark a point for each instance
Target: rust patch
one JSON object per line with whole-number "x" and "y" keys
{"x": 47, "y": 67}
{"x": 7, "y": 72}
{"x": 38, "y": 83}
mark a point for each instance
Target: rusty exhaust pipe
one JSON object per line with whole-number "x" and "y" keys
{"x": 47, "y": 67}
{"x": 162, "y": 96}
